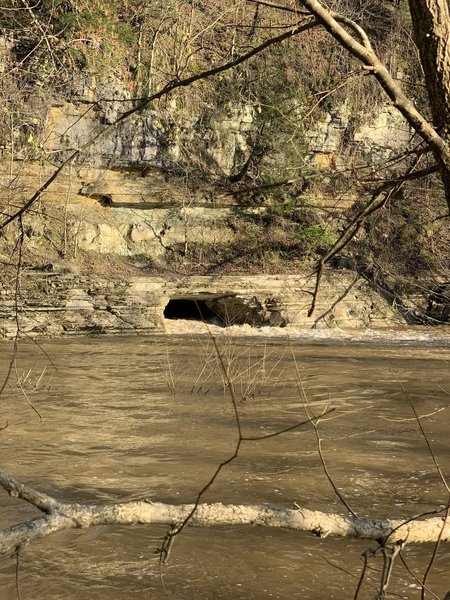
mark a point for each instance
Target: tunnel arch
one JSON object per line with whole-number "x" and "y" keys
{"x": 223, "y": 310}
{"x": 191, "y": 309}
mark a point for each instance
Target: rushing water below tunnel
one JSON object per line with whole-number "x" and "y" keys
{"x": 131, "y": 418}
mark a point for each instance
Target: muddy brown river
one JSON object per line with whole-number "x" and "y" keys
{"x": 130, "y": 418}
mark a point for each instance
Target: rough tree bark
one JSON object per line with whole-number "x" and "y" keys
{"x": 431, "y": 25}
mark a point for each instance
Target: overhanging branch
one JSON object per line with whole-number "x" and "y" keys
{"x": 363, "y": 51}
{"x": 378, "y": 199}
{"x": 144, "y": 103}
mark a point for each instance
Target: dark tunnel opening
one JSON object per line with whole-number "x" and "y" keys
{"x": 192, "y": 310}
{"x": 226, "y": 310}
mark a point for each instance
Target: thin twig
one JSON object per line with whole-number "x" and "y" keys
{"x": 19, "y": 597}
{"x": 443, "y": 480}
{"x": 416, "y": 579}
{"x": 314, "y": 420}
{"x": 365, "y": 557}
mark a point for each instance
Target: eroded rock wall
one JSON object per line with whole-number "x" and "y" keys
{"x": 64, "y": 305}
{"x": 219, "y": 144}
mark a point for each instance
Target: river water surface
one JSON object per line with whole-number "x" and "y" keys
{"x": 130, "y": 418}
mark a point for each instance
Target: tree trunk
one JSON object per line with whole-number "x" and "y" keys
{"x": 431, "y": 25}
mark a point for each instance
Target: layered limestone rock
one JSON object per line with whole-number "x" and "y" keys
{"x": 217, "y": 140}
{"x": 120, "y": 212}
{"x": 55, "y": 304}
{"x": 376, "y": 136}
{"x": 124, "y": 198}
{"x": 145, "y": 140}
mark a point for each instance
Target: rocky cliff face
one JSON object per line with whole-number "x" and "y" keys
{"x": 134, "y": 210}
{"x": 63, "y": 305}
{"x": 126, "y": 170}
{"x": 220, "y": 144}
{"x": 172, "y": 182}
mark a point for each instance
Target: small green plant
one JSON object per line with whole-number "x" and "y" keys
{"x": 95, "y": 31}
{"x": 315, "y": 235}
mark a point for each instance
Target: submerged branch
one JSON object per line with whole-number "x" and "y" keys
{"x": 24, "y": 492}
{"x": 74, "y": 515}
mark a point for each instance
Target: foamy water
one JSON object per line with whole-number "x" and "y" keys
{"x": 436, "y": 336}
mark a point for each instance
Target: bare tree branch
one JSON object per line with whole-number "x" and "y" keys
{"x": 74, "y": 515}
{"x": 19, "y": 490}
{"x": 379, "y": 198}
{"x": 367, "y": 56}
{"x": 279, "y": 7}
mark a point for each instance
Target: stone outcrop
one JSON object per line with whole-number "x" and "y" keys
{"x": 125, "y": 197}
{"x": 146, "y": 140}
{"x": 119, "y": 212}
{"x": 376, "y": 136}
{"x": 53, "y": 304}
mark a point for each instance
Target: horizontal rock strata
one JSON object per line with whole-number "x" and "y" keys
{"x": 52, "y": 304}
